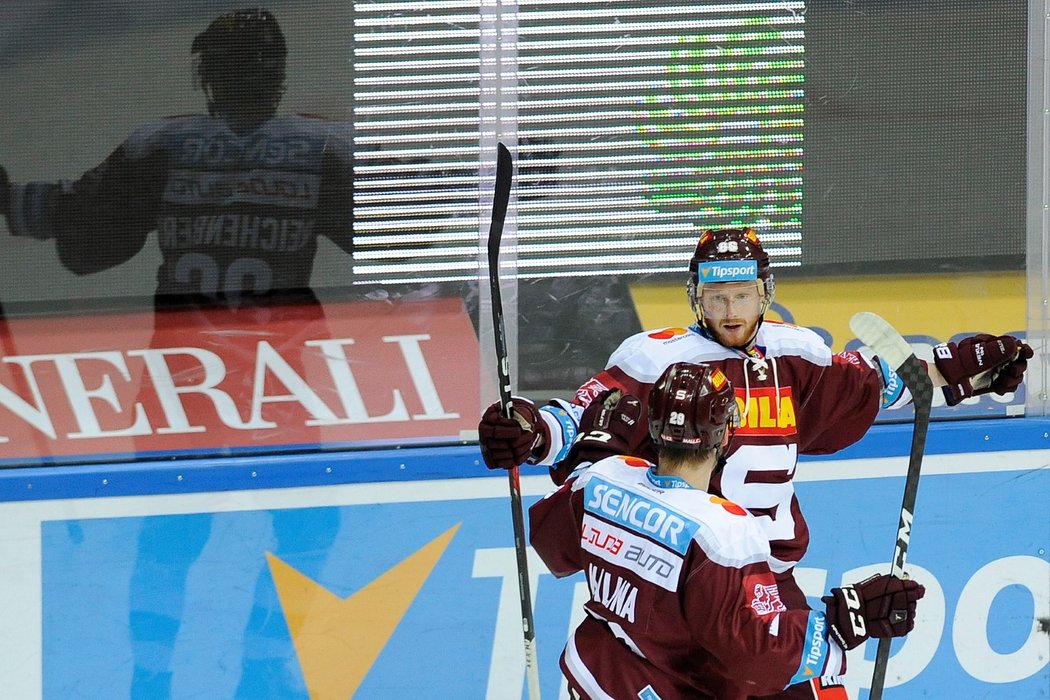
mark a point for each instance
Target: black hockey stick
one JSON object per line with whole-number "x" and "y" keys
{"x": 887, "y": 343}
{"x": 500, "y": 200}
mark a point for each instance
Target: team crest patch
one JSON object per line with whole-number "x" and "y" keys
{"x": 763, "y": 595}
{"x": 589, "y": 391}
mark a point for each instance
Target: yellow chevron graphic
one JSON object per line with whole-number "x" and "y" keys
{"x": 338, "y": 640}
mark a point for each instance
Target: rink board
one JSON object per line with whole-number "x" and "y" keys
{"x": 392, "y": 573}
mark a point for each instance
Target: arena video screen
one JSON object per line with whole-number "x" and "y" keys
{"x": 639, "y": 124}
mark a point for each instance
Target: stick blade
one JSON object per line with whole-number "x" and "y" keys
{"x": 884, "y": 340}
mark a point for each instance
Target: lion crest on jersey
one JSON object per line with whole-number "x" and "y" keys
{"x": 763, "y": 595}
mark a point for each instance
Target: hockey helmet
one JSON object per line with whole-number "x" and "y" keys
{"x": 729, "y": 255}
{"x": 692, "y": 407}
{"x": 244, "y": 52}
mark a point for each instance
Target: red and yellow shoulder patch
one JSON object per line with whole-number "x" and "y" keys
{"x": 668, "y": 333}
{"x": 729, "y": 506}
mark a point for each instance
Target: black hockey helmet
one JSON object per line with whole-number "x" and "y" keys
{"x": 243, "y": 54}
{"x": 692, "y": 407}
{"x": 729, "y": 255}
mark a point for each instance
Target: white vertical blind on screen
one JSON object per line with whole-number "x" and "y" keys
{"x": 638, "y": 125}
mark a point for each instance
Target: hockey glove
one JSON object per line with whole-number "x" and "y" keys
{"x": 1008, "y": 377}
{"x": 879, "y": 606}
{"x": 610, "y": 425}
{"x": 1005, "y": 356}
{"x": 508, "y": 442}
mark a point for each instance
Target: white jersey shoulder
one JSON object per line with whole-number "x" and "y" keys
{"x": 726, "y": 533}
{"x": 785, "y": 339}
{"x": 645, "y": 355}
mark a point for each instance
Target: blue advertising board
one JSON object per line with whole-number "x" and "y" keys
{"x": 383, "y": 588}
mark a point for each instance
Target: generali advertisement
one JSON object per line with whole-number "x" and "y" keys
{"x": 200, "y": 381}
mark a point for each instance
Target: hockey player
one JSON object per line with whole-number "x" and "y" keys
{"x": 238, "y": 197}
{"x": 683, "y": 603}
{"x": 795, "y": 395}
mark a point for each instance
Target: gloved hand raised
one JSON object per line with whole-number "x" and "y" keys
{"x": 508, "y": 442}
{"x": 1005, "y": 357}
{"x": 878, "y": 606}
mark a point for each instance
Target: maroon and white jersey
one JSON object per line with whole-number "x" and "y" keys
{"x": 795, "y": 397}
{"x": 682, "y": 601}
{"x": 237, "y": 215}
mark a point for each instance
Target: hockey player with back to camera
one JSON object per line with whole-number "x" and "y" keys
{"x": 796, "y": 396}
{"x": 683, "y": 603}
{"x": 238, "y": 197}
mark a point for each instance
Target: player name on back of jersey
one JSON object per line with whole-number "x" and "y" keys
{"x": 244, "y": 232}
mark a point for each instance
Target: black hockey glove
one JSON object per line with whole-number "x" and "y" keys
{"x": 508, "y": 442}
{"x": 610, "y": 425}
{"x": 1004, "y": 356}
{"x": 879, "y": 606}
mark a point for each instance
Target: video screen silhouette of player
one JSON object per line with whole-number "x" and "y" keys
{"x": 237, "y": 198}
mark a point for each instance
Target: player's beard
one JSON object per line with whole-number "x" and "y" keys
{"x": 734, "y": 332}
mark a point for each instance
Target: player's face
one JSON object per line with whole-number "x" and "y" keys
{"x": 731, "y": 311}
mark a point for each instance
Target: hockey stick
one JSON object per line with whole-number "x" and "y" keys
{"x": 887, "y": 343}
{"x": 500, "y": 200}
